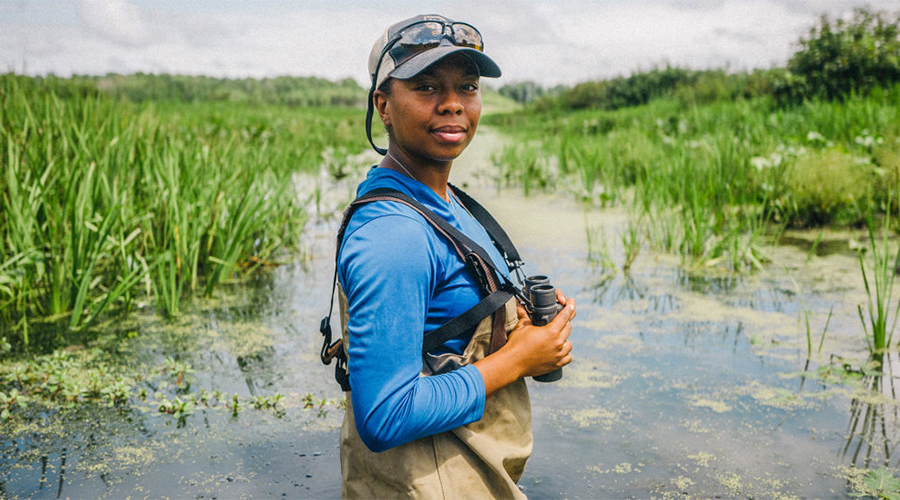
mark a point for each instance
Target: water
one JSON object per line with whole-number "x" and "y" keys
{"x": 685, "y": 383}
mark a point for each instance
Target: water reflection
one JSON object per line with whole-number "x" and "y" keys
{"x": 257, "y": 370}
{"x": 719, "y": 285}
{"x": 872, "y": 429}
{"x": 610, "y": 290}
{"x": 81, "y": 442}
{"x": 819, "y": 247}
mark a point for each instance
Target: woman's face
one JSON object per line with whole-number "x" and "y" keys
{"x": 433, "y": 116}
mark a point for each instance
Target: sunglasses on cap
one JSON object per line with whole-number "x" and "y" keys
{"x": 423, "y": 35}
{"x": 415, "y": 38}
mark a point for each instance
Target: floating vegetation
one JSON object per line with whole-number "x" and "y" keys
{"x": 64, "y": 380}
{"x": 712, "y": 404}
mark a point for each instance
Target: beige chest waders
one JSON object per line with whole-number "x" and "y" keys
{"x": 483, "y": 459}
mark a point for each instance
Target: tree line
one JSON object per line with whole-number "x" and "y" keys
{"x": 837, "y": 58}
{"x": 287, "y": 91}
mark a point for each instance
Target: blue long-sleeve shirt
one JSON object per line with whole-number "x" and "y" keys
{"x": 402, "y": 279}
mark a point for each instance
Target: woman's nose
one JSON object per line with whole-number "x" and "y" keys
{"x": 450, "y": 103}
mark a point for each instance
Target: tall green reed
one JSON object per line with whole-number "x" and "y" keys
{"x": 102, "y": 201}
{"x": 881, "y": 314}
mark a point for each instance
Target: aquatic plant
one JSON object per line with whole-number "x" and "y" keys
{"x": 10, "y": 401}
{"x": 632, "y": 241}
{"x": 598, "y": 250}
{"x": 883, "y": 483}
{"x": 177, "y": 370}
{"x": 881, "y": 314}
{"x": 234, "y": 405}
{"x": 177, "y": 407}
{"x": 89, "y": 377}
{"x": 272, "y": 402}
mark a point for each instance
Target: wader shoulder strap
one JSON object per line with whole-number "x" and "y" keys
{"x": 470, "y": 252}
{"x": 495, "y": 231}
{"x": 466, "y": 321}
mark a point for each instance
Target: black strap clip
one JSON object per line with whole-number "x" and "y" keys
{"x": 327, "y": 353}
{"x": 332, "y": 350}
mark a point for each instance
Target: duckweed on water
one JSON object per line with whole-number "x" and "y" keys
{"x": 714, "y": 405}
{"x": 703, "y": 459}
{"x": 67, "y": 379}
{"x": 595, "y": 417}
{"x": 579, "y": 376}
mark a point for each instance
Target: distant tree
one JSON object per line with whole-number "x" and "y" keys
{"x": 522, "y": 92}
{"x": 841, "y": 57}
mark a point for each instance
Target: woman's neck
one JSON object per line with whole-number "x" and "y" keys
{"x": 435, "y": 175}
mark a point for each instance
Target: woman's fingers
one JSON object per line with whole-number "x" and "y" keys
{"x": 564, "y": 316}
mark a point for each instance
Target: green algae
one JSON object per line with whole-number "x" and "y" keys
{"x": 714, "y": 405}
{"x": 776, "y": 397}
{"x": 595, "y": 417}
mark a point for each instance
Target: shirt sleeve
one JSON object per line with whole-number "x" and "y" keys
{"x": 388, "y": 270}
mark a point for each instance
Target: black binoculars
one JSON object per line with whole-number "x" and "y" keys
{"x": 545, "y": 307}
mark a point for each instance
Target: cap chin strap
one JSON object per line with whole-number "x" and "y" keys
{"x": 369, "y": 113}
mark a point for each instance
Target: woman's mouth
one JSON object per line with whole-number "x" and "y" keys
{"x": 450, "y": 133}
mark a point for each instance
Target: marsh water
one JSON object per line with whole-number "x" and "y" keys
{"x": 686, "y": 382}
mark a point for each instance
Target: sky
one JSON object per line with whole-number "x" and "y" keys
{"x": 549, "y": 42}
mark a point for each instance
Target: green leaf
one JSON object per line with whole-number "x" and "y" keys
{"x": 883, "y": 481}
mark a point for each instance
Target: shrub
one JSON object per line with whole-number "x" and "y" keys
{"x": 828, "y": 186}
{"x": 841, "y": 57}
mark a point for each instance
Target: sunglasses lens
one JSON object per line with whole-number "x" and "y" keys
{"x": 429, "y": 34}
{"x": 467, "y": 36}
{"x": 426, "y": 35}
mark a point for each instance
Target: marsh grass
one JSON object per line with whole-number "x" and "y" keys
{"x": 104, "y": 203}
{"x": 598, "y": 250}
{"x": 716, "y": 180}
{"x": 880, "y": 317}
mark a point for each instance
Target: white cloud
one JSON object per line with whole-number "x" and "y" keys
{"x": 117, "y": 20}
{"x": 549, "y": 42}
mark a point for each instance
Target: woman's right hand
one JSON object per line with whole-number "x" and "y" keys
{"x": 530, "y": 350}
{"x": 543, "y": 349}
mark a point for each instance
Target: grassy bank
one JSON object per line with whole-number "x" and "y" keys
{"x": 104, "y": 203}
{"x": 708, "y": 181}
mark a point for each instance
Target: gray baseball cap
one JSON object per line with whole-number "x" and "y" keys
{"x": 403, "y": 59}
{"x": 409, "y": 47}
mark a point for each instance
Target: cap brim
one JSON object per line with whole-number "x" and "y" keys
{"x": 412, "y": 67}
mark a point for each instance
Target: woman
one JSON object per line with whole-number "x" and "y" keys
{"x": 455, "y": 421}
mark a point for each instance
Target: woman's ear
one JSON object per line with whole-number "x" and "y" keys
{"x": 380, "y": 99}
